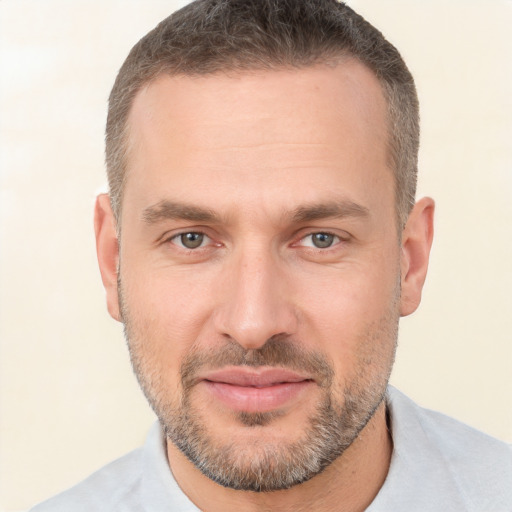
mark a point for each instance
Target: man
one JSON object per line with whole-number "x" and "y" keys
{"x": 259, "y": 242}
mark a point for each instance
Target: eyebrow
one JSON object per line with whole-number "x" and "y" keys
{"x": 168, "y": 210}
{"x": 333, "y": 209}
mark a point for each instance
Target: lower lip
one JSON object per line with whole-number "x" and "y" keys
{"x": 252, "y": 399}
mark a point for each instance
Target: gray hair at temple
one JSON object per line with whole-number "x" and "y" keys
{"x": 209, "y": 36}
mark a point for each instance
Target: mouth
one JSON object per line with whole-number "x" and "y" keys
{"x": 256, "y": 390}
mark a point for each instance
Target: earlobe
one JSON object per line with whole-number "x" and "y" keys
{"x": 416, "y": 243}
{"x": 107, "y": 250}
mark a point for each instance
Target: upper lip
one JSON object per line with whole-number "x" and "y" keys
{"x": 253, "y": 377}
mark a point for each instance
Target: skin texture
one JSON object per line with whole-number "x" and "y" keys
{"x": 257, "y": 164}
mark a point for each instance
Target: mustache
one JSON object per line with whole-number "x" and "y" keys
{"x": 278, "y": 351}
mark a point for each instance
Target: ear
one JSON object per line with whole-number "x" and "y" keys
{"x": 107, "y": 249}
{"x": 416, "y": 243}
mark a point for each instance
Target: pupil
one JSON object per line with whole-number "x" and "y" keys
{"x": 322, "y": 240}
{"x": 192, "y": 240}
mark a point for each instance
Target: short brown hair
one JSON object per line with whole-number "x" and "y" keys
{"x": 208, "y": 36}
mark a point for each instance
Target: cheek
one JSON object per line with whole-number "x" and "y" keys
{"x": 353, "y": 315}
{"x": 165, "y": 313}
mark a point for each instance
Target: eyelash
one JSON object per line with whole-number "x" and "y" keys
{"x": 337, "y": 240}
{"x": 175, "y": 239}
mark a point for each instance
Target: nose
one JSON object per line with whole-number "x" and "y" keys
{"x": 256, "y": 302}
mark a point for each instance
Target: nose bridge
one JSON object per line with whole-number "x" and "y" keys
{"x": 255, "y": 305}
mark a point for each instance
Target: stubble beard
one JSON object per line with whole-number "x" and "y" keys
{"x": 266, "y": 464}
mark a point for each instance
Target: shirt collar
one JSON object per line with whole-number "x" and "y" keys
{"x": 418, "y": 476}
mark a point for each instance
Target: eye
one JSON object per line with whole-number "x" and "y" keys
{"x": 320, "y": 240}
{"x": 190, "y": 240}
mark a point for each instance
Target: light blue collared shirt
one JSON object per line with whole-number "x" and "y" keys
{"x": 438, "y": 464}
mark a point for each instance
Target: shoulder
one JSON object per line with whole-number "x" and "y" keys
{"x": 472, "y": 467}
{"x": 452, "y": 438}
{"x": 136, "y": 482}
{"x": 109, "y": 488}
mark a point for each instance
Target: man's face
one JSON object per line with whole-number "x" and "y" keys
{"x": 260, "y": 266}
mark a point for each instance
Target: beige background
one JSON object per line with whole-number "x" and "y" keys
{"x": 69, "y": 402}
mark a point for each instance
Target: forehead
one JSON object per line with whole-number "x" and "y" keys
{"x": 254, "y": 130}
{"x": 325, "y": 93}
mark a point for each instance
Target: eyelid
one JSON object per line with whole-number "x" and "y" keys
{"x": 171, "y": 236}
{"x": 337, "y": 240}
{"x": 204, "y": 243}
{"x": 342, "y": 238}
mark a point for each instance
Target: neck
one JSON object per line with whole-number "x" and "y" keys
{"x": 349, "y": 484}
